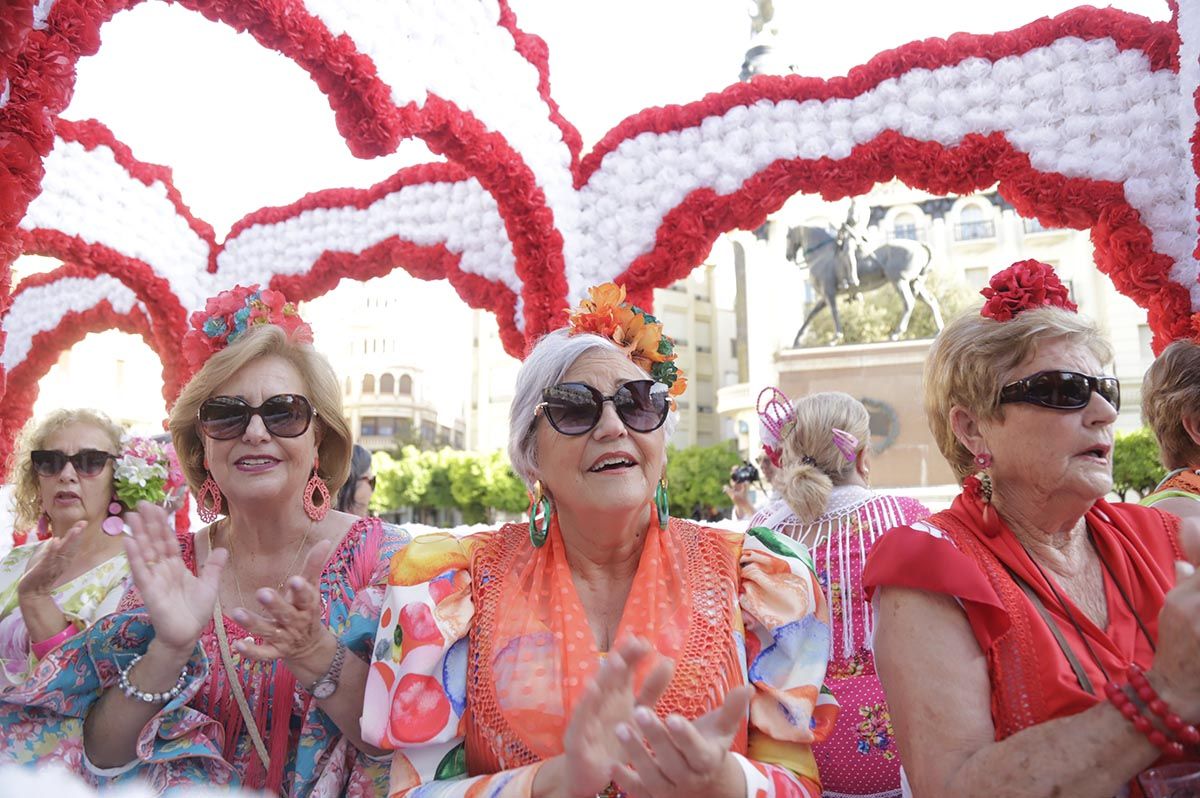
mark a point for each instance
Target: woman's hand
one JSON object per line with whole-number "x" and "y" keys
{"x": 1176, "y": 671}
{"x": 49, "y": 564}
{"x": 179, "y": 602}
{"x": 679, "y": 757}
{"x": 591, "y": 747}
{"x": 290, "y": 624}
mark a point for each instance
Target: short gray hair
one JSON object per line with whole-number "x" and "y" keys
{"x": 551, "y": 358}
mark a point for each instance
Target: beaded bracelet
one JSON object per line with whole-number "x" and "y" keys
{"x": 1185, "y": 733}
{"x": 131, "y": 691}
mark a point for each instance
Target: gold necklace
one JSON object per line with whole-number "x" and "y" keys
{"x": 279, "y": 588}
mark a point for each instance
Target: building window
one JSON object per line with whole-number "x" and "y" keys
{"x": 904, "y": 226}
{"x": 387, "y": 384}
{"x": 973, "y": 225}
{"x": 406, "y": 387}
{"x": 1035, "y": 226}
{"x": 367, "y": 426}
{"x": 428, "y": 431}
{"x": 976, "y": 277}
{"x": 369, "y": 383}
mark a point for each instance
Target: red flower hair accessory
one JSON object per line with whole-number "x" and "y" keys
{"x": 228, "y": 315}
{"x": 605, "y": 312}
{"x": 1024, "y": 285}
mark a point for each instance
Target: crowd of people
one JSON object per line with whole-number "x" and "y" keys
{"x": 1033, "y": 639}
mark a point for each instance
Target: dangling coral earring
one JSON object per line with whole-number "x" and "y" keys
{"x": 316, "y": 487}
{"x": 43, "y": 527}
{"x": 539, "y": 529}
{"x": 208, "y": 502}
{"x": 662, "y": 503}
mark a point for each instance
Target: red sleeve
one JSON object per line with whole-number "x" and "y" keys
{"x": 916, "y": 559}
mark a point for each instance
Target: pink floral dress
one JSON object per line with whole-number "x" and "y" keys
{"x": 859, "y": 758}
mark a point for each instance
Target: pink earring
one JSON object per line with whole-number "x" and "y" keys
{"x": 208, "y": 503}
{"x": 43, "y": 527}
{"x": 983, "y": 460}
{"x": 113, "y": 525}
{"x": 316, "y": 487}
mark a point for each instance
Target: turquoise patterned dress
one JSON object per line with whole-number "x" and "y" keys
{"x": 199, "y": 738}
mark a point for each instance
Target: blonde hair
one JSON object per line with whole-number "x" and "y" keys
{"x": 1171, "y": 390}
{"x": 812, "y": 463}
{"x": 970, "y": 359}
{"x": 27, "y": 502}
{"x": 322, "y": 390}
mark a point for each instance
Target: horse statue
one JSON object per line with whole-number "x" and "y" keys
{"x": 900, "y": 263}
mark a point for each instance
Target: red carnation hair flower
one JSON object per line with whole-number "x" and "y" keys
{"x": 1024, "y": 285}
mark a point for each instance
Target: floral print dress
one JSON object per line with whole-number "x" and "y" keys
{"x": 82, "y": 600}
{"x": 860, "y": 757}
{"x": 483, "y": 649}
{"x": 199, "y": 737}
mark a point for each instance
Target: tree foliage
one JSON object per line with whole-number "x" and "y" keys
{"x": 697, "y": 474}
{"x": 1136, "y": 463}
{"x": 873, "y": 317}
{"x": 478, "y": 485}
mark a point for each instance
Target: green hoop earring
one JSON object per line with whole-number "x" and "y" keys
{"x": 538, "y": 502}
{"x": 662, "y": 503}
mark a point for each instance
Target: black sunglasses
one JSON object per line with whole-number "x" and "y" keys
{"x": 369, "y": 480}
{"x": 574, "y": 408}
{"x": 1062, "y": 390}
{"x": 286, "y": 415}
{"x": 87, "y": 462}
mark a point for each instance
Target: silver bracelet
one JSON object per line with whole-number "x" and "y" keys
{"x": 131, "y": 691}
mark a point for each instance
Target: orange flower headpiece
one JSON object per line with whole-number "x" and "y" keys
{"x": 605, "y": 312}
{"x": 228, "y": 315}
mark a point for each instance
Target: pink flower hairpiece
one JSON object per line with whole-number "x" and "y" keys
{"x": 228, "y": 315}
{"x": 846, "y": 443}
{"x": 775, "y": 412}
{"x": 1024, "y": 285}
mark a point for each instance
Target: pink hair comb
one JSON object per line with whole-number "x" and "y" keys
{"x": 846, "y": 443}
{"x": 775, "y": 411}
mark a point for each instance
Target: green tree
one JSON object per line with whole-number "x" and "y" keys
{"x": 873, "y": 318}
{"x": 478, "y": 485}
{"x": 1136, "y": 464}
{"x": 697, "y": 474}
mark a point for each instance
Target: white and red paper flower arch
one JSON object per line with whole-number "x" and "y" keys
{"x": 1087, "y": 120}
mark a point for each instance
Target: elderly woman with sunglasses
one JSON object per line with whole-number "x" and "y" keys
{"x": 1034, "y": 639}
{"x": 50, "y": 589}
{"x": 605, "y": 646}
{"x": 245, "y": 658}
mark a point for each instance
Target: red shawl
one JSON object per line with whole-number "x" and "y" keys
{"x": 1031, "y": 679}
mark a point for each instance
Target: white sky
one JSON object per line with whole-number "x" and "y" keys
{"x": 242, "y": 127}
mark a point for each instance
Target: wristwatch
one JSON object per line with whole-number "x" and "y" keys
{"x": 327, "y": 684}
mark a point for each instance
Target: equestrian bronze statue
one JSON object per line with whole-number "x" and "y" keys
{"x": 901, "y": 263}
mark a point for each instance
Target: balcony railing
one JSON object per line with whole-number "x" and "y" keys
{"x": 974, "y": 231}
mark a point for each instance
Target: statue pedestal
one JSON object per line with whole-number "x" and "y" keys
{"x": 887, "y": 378}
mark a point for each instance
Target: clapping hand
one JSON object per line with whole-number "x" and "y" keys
{"x": 290, "y": 624}
{"x": 50, "y": 563}
{"x": 590, "y": 746}
{"x": 179, "y": 602}
{"x": 680, "y": 757}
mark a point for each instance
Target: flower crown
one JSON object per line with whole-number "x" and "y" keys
{"x": 228, "y": 315}
{"x": 148, "y": 471}
{"x": 639, "y": 334}
{"x": 1024, "y": 285}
